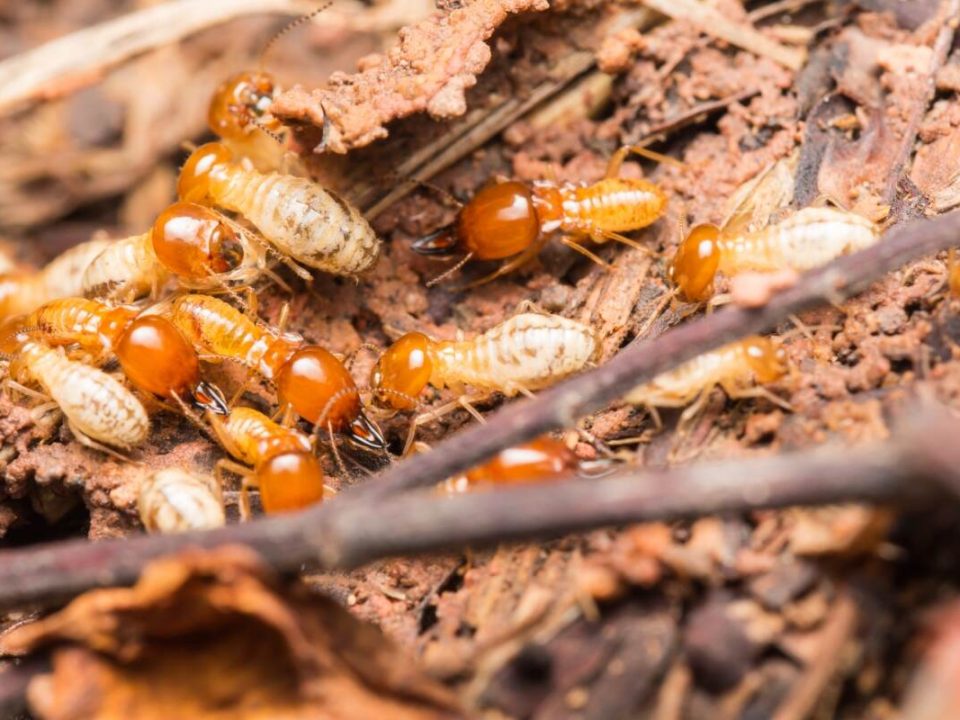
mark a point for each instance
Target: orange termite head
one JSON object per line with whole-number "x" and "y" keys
{"x": 241, "y": 104}
{"x": 542, "y": 459}
{"x": 289, "y": 481}
{"x": 498, "y": 222}
{"x": 402, "y": 372}
{"x": 321, "y": 390}
{"x": 194, "y": 241}
{"x": 695, "y": 265}
{"x": 767, "y": 360}
{"x": 158, "y": 359}
{"x": 205, "y": 166}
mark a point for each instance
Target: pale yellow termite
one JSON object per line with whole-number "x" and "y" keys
{"x": 740, "y": 369}
{"x": 805, "y": 240}
{"x": 298, "y": 217}
{"x": 98, "y": 408}
{"x": 527, "y": 352}
{"x": 174, "y": 500}
{"x": 21, "y": 292}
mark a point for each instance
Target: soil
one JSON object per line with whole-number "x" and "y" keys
{"x": 787, "y": 614}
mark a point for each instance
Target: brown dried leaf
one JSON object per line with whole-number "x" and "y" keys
{"x": 217, "y": 635}
{"x": 429, "y": 70}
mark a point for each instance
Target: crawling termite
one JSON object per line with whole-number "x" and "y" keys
{"x": 201, "y": 248}
{"x": 527, "y": 352}
{"x": 310, "y": 380}
{"x": 539, "y": 460}
{"x": 741, "y": 369}
{"x": 512, "y": 221}
{"x": 283, "y": 463}
{"x": 99, "y": 409}
{"x": 174, "y": 500}
{"x": 805, "y": 240}
{"x": 153, "y": 354}
{"x": 21, "y": 292}
{"x": 299, "y": 218}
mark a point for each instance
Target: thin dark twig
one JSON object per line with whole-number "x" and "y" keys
{"x": 334, "y": 533}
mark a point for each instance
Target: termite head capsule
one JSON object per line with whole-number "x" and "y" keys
{"x": 402, "y": 372}
{"x": 317, "y": 385}
{"x": 290, "y": 481}
{"x": 541, "y": 459}
{"x": 498, "y": 222}
{"x": 241, "y": 103}
{"x": 159, "y": 360}
{"x": 695, "y": 265}
{"x": 205, "y": 167}
{"x": 194, "y": 241}
{"x": 767, "y": 360}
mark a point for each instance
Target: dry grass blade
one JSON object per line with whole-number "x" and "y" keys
{"x": 79, "y": 59}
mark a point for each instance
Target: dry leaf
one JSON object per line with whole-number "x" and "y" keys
{"x": 217, "y": 635}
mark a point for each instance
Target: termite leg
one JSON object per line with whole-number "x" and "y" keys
{"x": 527, "y": 305}
{"x": 286, "y": 415}
{"x": 89, "y": 442}
{"x": 668, "y": 298}
{"x": 284, "y": 318}
{"x": 11, "y": 384}
{"x": 616, "y": 160}
{"x": 759, "y": 392}
{"x": 465, "y": 403}
{"x": 228, "y": 465}
{"x": 688, "y": 415}
{"x": 512, "y": 264}
{"x": 601, "y": 236}
{"x": 574, "y": 245}
{"x": 450, "y": 270}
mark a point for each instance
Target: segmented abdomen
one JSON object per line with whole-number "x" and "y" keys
{"x": 174, "y": 500}
{"x": 681, "y": 385}
{"x": 127, "y": 268}
{"x": 528, "y": 351}
{"x": 612, "y": 205}
{"x": 95, "y": 403}
{"x": 68, "y": 320}
{"x": 304, "y": 221}
{"x": 217, "y": 328}
{"x": 252, "y": 437}
{"x": 807, "y": 239}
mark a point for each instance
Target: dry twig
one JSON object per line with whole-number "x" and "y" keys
{"x": 714, "y": 23}
{"x": 370, "y": 522}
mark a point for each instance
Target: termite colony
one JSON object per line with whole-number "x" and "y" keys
{"x": 113, "y": 329}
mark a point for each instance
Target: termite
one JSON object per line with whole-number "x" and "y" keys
{"x": 539, "y": 460}
{"x": 153, "y": 354}
{"x": 527, "y": 352}
{"x": 805, "y": 240}
{"x": 199, "y": 246}
{"x": 300, "y": 219}
{"x": 310, "y": 380}
{"x": 239, "y": 115}
{"x": 512, "y": 221}
{"x": 21, "y": 292}
{"x": 285, "y": 468}
{"x": 174, "y": 500}
{"x": 99, "y": 409}
{"x": 740, "y": 368}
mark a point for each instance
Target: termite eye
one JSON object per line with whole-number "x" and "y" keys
{"x": 226, "y": 250}
{"x": 499, "y": 221}
{"x": 696, "y": 262}
{"x": 319, "y": 388}
{"x": 157, "y": 358}
{"x": 402, "y": 372}
{"x": 203, "y": 166}
{"x": 290, "y": 481}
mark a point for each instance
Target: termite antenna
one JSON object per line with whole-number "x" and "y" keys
{"x": 275, "y": 136}
{"x": 451, "y": 270}
{"x": 293, "y": 24}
